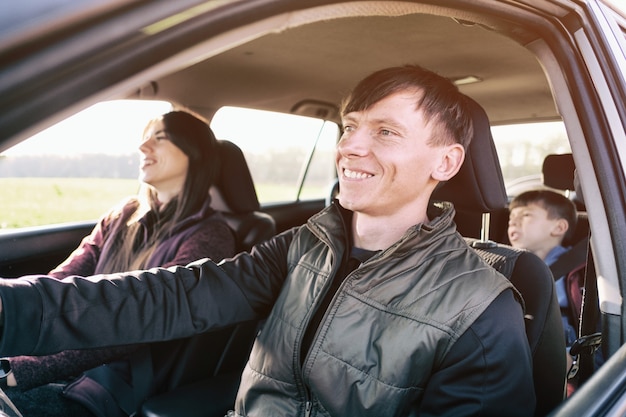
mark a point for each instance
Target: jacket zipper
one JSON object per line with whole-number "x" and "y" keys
{"x": 308, "y": 404}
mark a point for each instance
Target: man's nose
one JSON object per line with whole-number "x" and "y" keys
{"x": 355, "y": 142}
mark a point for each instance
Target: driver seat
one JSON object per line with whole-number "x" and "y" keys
{"x": 477, "y": 191}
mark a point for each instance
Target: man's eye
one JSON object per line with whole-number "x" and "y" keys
{"x": 385, "y": 132}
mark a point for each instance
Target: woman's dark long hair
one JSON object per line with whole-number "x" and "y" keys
{"x": 129, "y": 247}
{"x": 196, "y": 139}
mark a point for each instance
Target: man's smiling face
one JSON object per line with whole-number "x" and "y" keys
{"x": 384, "y": 159}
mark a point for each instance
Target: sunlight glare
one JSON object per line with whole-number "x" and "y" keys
{"x": 111, "y": 127}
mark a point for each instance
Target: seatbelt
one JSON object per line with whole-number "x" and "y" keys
{"x": 584, "y": 348}
{"x": 574, "y": 257}
{"x": 588, "y": 322}
{"x": 129, "y": 397}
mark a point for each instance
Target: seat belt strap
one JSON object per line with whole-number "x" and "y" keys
{"x": 129, "y": 397}
{"x": 589, "y": 320}
{"x": 589, "y": 339}
{"x": 576, "y": 256}
{"x": 115, "y": 385}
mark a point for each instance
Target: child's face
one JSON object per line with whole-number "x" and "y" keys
{"x": 531, "y": 229}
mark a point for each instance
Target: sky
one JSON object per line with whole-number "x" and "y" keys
{"x": 113, "y": 127}
{"x": 116, "y": 127}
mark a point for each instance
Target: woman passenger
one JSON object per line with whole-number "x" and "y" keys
{"x": 170, "y": 222}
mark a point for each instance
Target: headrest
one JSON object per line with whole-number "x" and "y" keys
{"x": 478, "y": 186}
{"x": 558, "y": 171}
{"x": 234, "y": 188}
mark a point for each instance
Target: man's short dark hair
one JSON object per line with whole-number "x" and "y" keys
{"x": 439, "y": 99}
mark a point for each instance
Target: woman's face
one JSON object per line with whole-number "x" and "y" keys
{"x": 163, "y": 165}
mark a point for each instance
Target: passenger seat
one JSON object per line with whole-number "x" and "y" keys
{"x": 235, "y": 196}
{"x": 214, "y": 361}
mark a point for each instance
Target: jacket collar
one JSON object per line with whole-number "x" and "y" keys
{"x": 333, "y": 226}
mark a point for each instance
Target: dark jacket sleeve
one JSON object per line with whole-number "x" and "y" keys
{"x": 43, "y": 315}
{"x": 214, "y": 240}
{"x": 488, "y": 371}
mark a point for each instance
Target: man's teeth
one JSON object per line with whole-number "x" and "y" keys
{"x": 356, "y": 175}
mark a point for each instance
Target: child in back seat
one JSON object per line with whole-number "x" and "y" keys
{"x": 539, "y": 221}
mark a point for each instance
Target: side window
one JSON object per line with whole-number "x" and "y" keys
{"x": 522, "y": 149}
{"x": 77, "y": 169}
{"x": 291, "y": 157}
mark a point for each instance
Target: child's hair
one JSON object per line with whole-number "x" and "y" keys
{"x": 557, "y": 205}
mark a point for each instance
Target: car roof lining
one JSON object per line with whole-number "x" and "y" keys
{"x": 495, "y": 29}
{"x": 285, "y": 33}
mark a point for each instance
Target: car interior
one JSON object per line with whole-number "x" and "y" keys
{"x": 480, "y": 173}
{"x": 520, "y": 62}
{"x": 235, "y": 197}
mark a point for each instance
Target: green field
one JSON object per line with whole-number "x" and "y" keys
{"x": 28, "y": 202}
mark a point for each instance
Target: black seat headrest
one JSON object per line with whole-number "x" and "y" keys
{"x": 558, "y": 171}
{"x": 234, "y": 189}
{"x": 479, "y": 185}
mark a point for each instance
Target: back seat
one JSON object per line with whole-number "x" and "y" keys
{"x": 559, "y": 173}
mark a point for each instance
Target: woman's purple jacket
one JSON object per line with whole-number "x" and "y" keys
{"x": 204, "y": 234}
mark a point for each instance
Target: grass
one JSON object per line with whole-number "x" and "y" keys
{"x": 26, "y": 202}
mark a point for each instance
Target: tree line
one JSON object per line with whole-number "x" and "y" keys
{"x": 279, "y": 166}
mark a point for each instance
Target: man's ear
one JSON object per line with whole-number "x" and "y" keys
{"x": 450, "y": 162}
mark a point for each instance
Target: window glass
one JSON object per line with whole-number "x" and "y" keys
{"x": 321, "y": 171}
{"x": 290, "y": 157}
{"x": 523, "y": 147}
{"x": 77, "y": 169}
